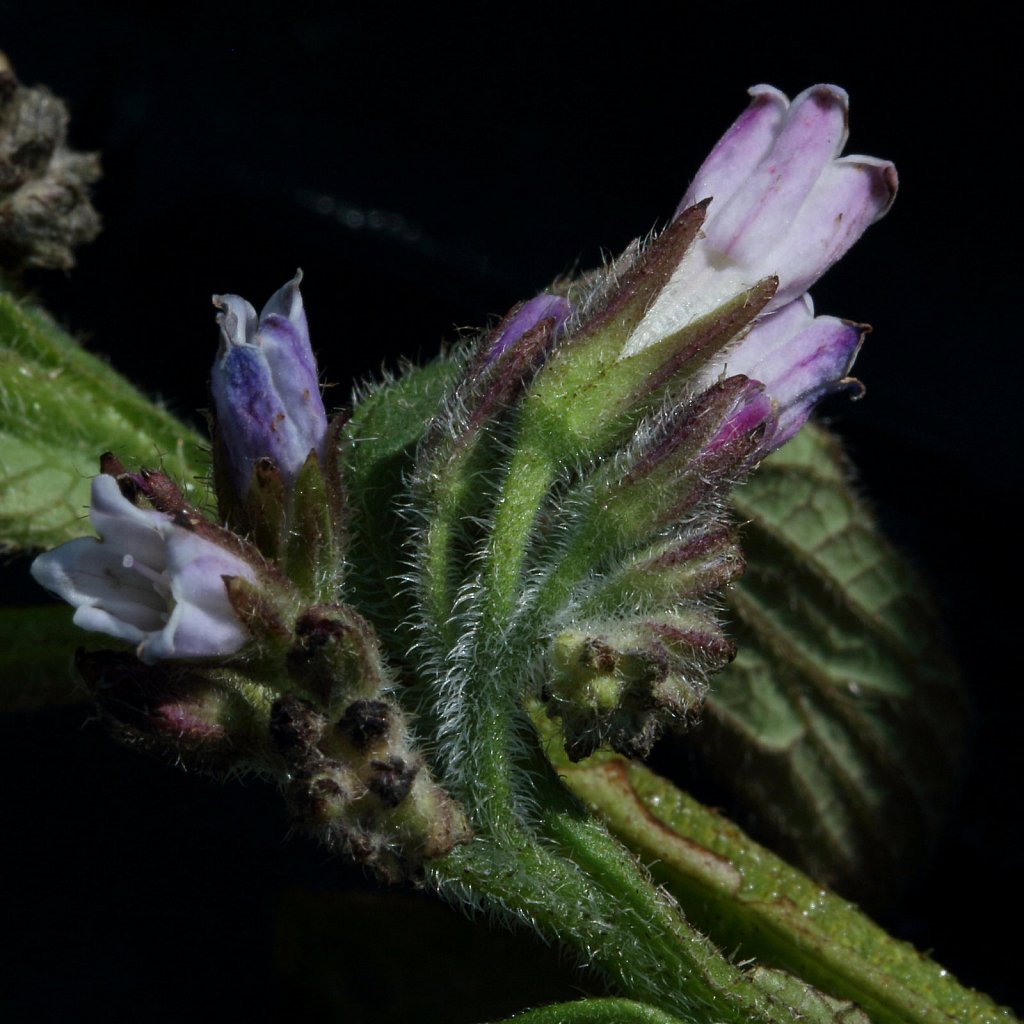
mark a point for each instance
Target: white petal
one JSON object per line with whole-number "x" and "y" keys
{"x": 86, "y": 571}
{"x": 125, "y": 528}
{"x": 739, "y": 151}
{"x": 237, "y": 319}
{"x": 96, "y": 620}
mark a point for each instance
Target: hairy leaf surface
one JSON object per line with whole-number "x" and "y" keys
{"x": 60, "y": 409}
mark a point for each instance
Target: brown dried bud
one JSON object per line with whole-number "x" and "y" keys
{"x": 44, "y": 186}
{"x": 365, "y": 722}
{"x": 295, "y": 728}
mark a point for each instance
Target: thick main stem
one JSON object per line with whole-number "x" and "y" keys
{"x": 541, "y": 859}
{"x": 537, "y": 855}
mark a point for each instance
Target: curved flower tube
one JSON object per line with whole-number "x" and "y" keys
{"x": 147, "y": 580}
{"x": 784, "y": 203}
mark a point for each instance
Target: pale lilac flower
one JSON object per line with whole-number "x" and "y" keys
{"x": 147, "y": 580}
{"x": 265, "y": 386}
{"x": 784, "y": 203}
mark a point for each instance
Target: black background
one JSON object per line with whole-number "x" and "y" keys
{"x": 426, "y": 173}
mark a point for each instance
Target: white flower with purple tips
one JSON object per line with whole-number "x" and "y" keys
{"x": 148, "y": 580}
{"x": 784, "y": 204}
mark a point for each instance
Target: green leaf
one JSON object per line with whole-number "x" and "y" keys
{"x": 840, "y": 721}
{"x": 752, "y": 902}
{"x": 60, "y": 409}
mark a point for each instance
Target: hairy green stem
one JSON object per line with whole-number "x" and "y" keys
{"x": 540, "y": 858}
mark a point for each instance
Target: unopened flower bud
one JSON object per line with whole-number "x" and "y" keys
{"x": 523, "y": 319}
{"x": 265, "y": 388}
{"x": 619, "y": 682}
{"x": 187, "y": 712}
{"x": 335, "y": 656}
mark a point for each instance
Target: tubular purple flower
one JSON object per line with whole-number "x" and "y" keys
{"x": 265, "y": 386}
{"x": 783, "y": 203}
{"x": 147, "y": 580}
{"x": 798, "y": 357}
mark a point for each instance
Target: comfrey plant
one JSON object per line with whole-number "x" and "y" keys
{"x": 444, "y": 620}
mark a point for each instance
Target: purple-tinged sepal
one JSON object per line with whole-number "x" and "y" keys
{"x": 701, "y": 560}
{"x": 688, "y": 459}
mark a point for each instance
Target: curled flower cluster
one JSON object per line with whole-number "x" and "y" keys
{"x": 784, "y": 205}
{"x": 569, "y": 472}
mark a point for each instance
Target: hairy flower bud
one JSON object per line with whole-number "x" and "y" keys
{"x": 619, "y": 682}
{"x": 265, "y": 388}
{"x": 199, "y": 716}
{"x": 523, "y": 319}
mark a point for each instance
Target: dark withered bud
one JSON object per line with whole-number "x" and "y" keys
{"x": 295, "y": 728}
{"x": 618, "y": 683}
{"x": 362, "y": 787}
{"x": 366, "y": 722}
{"x": 335, "y": 656}
{"x": 391, "y": 780}
{"x": 44, "y": 186}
